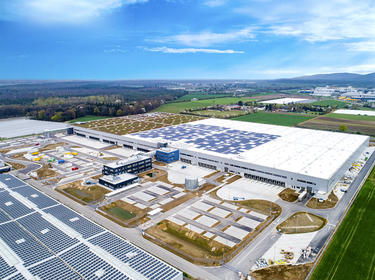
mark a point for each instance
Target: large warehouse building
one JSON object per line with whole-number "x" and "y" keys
{"x": 286, "y": 156}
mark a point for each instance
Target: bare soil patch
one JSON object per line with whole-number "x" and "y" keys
{"x": 330, "y": 202}
{"x": 289, "y": 195}
{"x": 283, "y": 272}
{"x": 302, "y": 222}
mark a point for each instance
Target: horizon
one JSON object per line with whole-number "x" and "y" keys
{"x": 179, "y": 40}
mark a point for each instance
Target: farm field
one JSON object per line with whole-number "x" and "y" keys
{"x": 136, "y": 123}
{"x": 275, "y": 118}
{"x": 333, "y": 124}
{"x": 178, "y": 107}
{"x": 354, "y": 240}
{"x": 219, "y": 114}
{"x": 351, "y": 117}
{"x": 200, "y": 96}
{"x": 88, "y": 118}
{"x": 331, "y": 102}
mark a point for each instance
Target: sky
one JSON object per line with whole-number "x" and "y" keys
{"x": 184, "y": 39}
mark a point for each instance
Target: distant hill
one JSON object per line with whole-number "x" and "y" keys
{"x": 349, "y": 77}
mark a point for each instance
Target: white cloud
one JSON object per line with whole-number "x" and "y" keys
{"x": 61, "y": 11}
{"x": 315, "y": 20}
{"x": 364, "y": 46}
{"x": 208, "y": 38}
{"x": 215, "y": 3}
{"x": 192, "y": 50}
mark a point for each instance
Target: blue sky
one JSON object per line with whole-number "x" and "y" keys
{"x": 176, "y": 39}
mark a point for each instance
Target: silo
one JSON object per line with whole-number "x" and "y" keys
{"x": 191, "y": 183}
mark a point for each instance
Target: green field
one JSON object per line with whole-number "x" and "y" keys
{"x": 178, "y": 107}
{"x": 219, "y": 114}
{"x": 351, "y": 117}
{"x": 330, "y": 102}
{"x": 121, "y": 213}
{"x": 200, "y": 96}
{"x": 89, "y": 118}
{"x": 275, "y": 118}
{"x": 351, "y": 254}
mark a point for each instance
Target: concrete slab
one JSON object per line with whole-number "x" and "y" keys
{"x": 140, "y": 205}
{"x": 208, "y": 234}
{"x": 87, "y": 142}
{"x": 176, "y": 221}
{"x": 236, "y": 232}
{"x": 224, "y": 241}
{"x": 179, "y": 195}
{"x": 157, "y": 190}
{"x": 207, "y": 221}
{"x": 143, "y": 196}
{"x": 220, "y": 212}
{"x": 165, "y": 201}
{"x": 177, "y": 174}
{"x": 229, "y": 205}
{"x": 248, "y": 222}
{"x": 292, "y": 243}
{"x": 187, "y": 213}
{"x": 128, "y": 200}
{"x": 249, "y": 189}
{"x": 259, "y": 215}
{"x": 202, "y": 206}
{"x": 194, "y": 228}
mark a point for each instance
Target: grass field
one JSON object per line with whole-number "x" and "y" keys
{"x": 275, "y": 118}
{"x": 351, "y": 117}
{"x": 121, "y": 213}
{"x": 88, "y": 118}
{"x": 178, "y": 107}
{"x": 351, "y": 252}
{"x": 200, "y": 96}
{"x": 330, "y": 102}
{"x": 219, "y": 114}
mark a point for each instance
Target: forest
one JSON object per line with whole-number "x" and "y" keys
{"x": 66, "y": 101}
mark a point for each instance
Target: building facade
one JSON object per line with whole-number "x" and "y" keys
{"x": 118, "y": 181}
{"x": 134, "y": 165}
{"x": 167, "y": 155}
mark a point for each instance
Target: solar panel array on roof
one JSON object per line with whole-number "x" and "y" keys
{"x": 11, "y": 181}
{"x": 210, "y": 137}
{"x": 40, "y": 235}
{"x": 41, "y": 200}
{"x": 75, "y": 221}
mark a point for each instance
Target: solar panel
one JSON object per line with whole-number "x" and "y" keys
{"x": 5, "y": 269}
{"x": 51, "y": 236}
{"x": 74, "y": 220}
{"x": 211, "y": 138}
{"x": 26, "y": 247}
{"x": 11, "y": 181}
{"x": 53, "y": 269}
{"x": 12, "y": 206}
{"x": 36, "y": 197}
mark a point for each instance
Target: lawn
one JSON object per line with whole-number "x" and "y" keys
{"x": 121, "y": 213}
{"x": 178, "y": 107}
{"x": 330, "y": 102}
{"x": 275, "y": 118}
{"x": 351, "y": 117}
{"x": 351, "y": 252}
{"x": 89, "y": 118}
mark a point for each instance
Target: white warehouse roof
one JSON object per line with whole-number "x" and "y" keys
{"x": 310, "y": 152}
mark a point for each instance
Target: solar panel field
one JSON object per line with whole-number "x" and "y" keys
{"x": 351, "y": 253}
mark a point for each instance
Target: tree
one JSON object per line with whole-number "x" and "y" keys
{"x": 343, "y": 128}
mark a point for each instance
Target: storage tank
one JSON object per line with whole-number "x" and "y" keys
{"x": 191, "y": 183}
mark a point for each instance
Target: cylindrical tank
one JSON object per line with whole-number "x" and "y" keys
{"x": 191, "y": 183}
